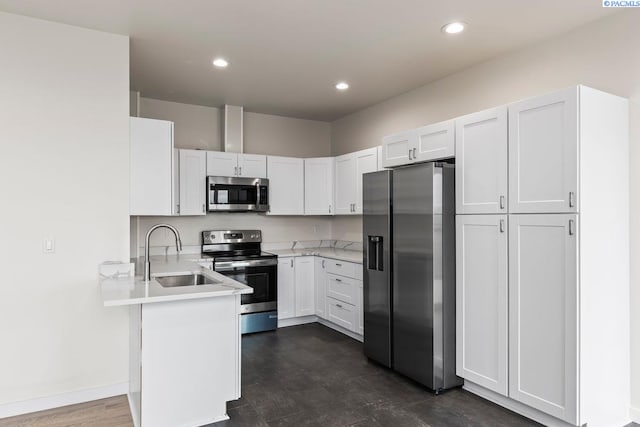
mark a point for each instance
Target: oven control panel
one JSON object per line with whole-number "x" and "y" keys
{"x": 231, "y": 236}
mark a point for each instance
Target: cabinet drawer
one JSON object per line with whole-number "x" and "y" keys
{"x": 341, "y": 313}
{"x": 342, "y": 288}
{"x": 342, "y": 268}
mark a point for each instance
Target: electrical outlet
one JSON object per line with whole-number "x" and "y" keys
{"x": 49, "y": 245}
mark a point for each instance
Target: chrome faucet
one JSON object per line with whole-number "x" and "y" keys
{"x": 147, "y": 263}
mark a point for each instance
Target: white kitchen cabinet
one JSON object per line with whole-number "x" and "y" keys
{"x": 286, "y": 288}
{"x": 543, "y": 154}
{"x": 342, "y": 288}
{"x": 342, "y": 314}
{"x": 152, "y": 168}
{"x": 192, "y": 168}
{"x": 286, "y": 185}
{"x": 321, "y": 286}
{"x": 366, "y": 161}
{"x": 221, "y": 163}
{"x": 481, "y": 162}
{"x": 344, "y": 184}
{"x": 397, "y": 149}
{"x": 348, "y": 184}
{"x": 434, "y": 142}
{"x": 305, "y": 286}
{"x": 481, "y": 300}
{"x": 252, "y": 165}
{"x": 318, "y": 186}
{"x": 543, "y": 292}
{"x": 379, "y": 149}
{"x": 424, "y": 144}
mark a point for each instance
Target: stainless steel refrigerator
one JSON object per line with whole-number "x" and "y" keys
{"x": 409, "y": 272}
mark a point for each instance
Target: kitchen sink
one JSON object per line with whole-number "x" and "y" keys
{"x": 185, "y": 280}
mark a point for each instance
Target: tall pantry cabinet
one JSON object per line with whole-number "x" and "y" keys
{"x": 542, "y": 188}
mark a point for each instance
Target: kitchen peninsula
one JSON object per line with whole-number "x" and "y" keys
{"x": 184, "y": 340}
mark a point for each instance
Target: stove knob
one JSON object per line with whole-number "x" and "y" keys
{"x": 212, "y": 236}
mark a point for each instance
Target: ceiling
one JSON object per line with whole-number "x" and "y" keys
{"x": 286, "y": 55}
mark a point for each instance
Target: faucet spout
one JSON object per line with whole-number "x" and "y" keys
{"x": 147, "y": 263}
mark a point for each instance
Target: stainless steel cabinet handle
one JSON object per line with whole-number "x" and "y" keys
{"x": 240, "y": 170}
{"x": 204, "y": 210}
{"x": 322, "y": 263}
{"x": 178, "y": 208}
{"x": 329, "y": 208}
{"x": 338, "y": 280}
{"x": 338, "y": 264}
{"x": 571, "y": 226}
{"x": 409, "y": 153}
{"x": 501, "y": 202}
{"x": 502, "y": 225}
{"x": 291, "y": 262}
{"x": 339, "y": 305}
{"x": 235, "y": 170}
{"x": 571, "y": 197}
{"x": 414, "y": 153}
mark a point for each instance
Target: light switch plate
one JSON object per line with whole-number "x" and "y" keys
{"x": 49, "y": 245}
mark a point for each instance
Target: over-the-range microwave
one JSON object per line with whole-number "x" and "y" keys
{"x": 231, "y": 194}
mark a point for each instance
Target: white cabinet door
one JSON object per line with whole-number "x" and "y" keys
{"x": 252, "y": 166}
{"x": 286, "y": 185}
{"x": 193, "y": 186}
{"x": 321, "y": 286}
{"x": 366, "y": 161}
{"x": 481, "y": 162}
{"x": 305, "y": 286}
{"x": 220, "y": 163}
{"x": 543, "y": 315}
{"x": 360, "y": 308}
{"x": 398, "y": 149}
{"x": 318, "y": 186}
{"x": 286, "y": 288}
{"x": 379, "y": 149}
{"x": 543, "y": 154}
{"x": 151, "y": 167}
{"x": 345, "y": 184}
{"x": 481, "y": 300}
{"x": 434, "y": 142}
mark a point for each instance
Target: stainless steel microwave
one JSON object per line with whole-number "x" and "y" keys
{"x": 231, "y": 194}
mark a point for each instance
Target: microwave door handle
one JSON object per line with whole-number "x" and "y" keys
{"x": 257, "y": 194}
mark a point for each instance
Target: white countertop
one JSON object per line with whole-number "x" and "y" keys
{"x": 339, "y": 254}
{"x": 134, "y": 290}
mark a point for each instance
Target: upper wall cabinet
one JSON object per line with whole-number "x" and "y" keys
{"x": 432, "y": 142}
{"x": 349, "y": 170}
{"x": 286, "y": 185}
{"x": 318, "y": 186}
{"x": 543, "y": 154}
{"x": 481, "y": 162}
{"x": 221, "y": 163}
{"x": 192, "y": 185}
{"x": 152, "y": 167}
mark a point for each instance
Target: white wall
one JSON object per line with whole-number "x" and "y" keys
{"x": 604, "y": 55}
{"x": 64, "y": 107}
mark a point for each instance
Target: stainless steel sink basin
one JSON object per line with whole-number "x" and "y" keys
{"x": 185, "y": 280}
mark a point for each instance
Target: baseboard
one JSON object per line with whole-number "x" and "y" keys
{"x": 64, "y": 399}
{"x": 634, "y": 414}
{"x": 293, "y": 321}
{"x": 340, "y": 329}
{"x": 515, "y": 406}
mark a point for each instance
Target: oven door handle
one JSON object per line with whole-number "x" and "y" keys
{"x": 230, "y": 265}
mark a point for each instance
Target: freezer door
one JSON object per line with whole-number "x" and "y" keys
{"x": 377, "y": 267}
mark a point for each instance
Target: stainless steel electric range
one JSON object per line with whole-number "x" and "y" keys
{"x": 238, "y": 255}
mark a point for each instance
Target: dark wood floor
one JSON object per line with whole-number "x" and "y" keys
{"x": 309, "y": 375}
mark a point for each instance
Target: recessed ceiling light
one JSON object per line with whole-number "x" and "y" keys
{"x": 342, "y": 86}
{"x": 220, "y": 62}
{"x": 454, "y": 27}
